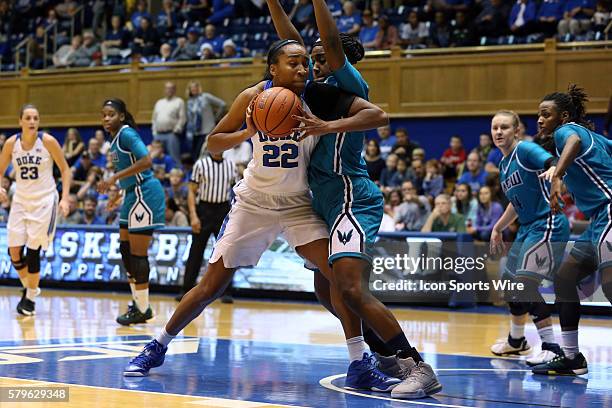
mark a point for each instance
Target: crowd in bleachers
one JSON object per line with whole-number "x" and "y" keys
{"x": 108, "y": 32}
{"x": 457, "y": 192}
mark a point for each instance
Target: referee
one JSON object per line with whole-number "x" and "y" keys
{"x": 211, "y": 181}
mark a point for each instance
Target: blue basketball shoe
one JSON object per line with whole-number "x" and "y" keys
{"x": 363, "y": 375}
{"x": 152, "y": 356}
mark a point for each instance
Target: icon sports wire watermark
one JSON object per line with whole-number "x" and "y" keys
{"x": 433, "y": 270}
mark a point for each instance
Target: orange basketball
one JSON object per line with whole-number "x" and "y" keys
{"x": 273, "y": 109}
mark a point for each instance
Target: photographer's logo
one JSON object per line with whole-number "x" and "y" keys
{"x": 345, "y": 237}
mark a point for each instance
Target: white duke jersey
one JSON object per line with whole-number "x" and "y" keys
{"x": 33, "y": 170}
{"x": 279, "y": 166}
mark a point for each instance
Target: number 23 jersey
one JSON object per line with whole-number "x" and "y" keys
{"x": 33, "y": 170}
{"x": 279, "y": 166}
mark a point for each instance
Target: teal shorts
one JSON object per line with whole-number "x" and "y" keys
{"x": 596, "y": 241}
{"x": 352, "y": 208}
{"x": 144, "y": 207}
{"x": 538, "y": 248}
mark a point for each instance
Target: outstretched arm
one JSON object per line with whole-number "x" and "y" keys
{"x": 330, "y": 36}
{"x": 282, "y": 23}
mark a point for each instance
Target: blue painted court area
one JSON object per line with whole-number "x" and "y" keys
{"x": 303, "y": 375}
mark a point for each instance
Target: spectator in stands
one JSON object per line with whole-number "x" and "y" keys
{"x": 414, "y": 210}
{"x": 576, "y": 17}
{"x": 90, "y": 204}
{"x": 180, "y": 52}
{"x": 146, "y": 37}
{"x": 177, "y": 190}
{"x": 74, "y": 215}
{"x": 230, "y": 50}
{"x": 140, "y": 12}
{"x": 207, "y": 52}
{"x": 374, "y": 161}
{"x": 88, "y": 189}
{"x": 203, "y": 111}
{"x": 496, "y": 192}
{"x": 453, "y": 157}
{"x": 159, "y": 158}
{"x": 165, "y": 54}
{"x": 66, "y": 54}
{"x": 522, "y": 17}
{"x": 464, "y": 203}
{"x": 485, "y": 145}
{"x": 493, "y": 159}
{"x": 433, "y": 183}
{"x": 387, "y": 224}
{"x": 80, "y": 170}
{"x": 442, "y": 219}
{"x": 602, "y": 16}
{"x": 387, "y": 140}
{"x": 462, "y": 33}
{"x": 83, "y": 57}
{"x": 302, "y": 14}
{"x": 418, "y": 154}
{"x": 221, "y": 9}
{"x": 73, "y": 146}
{"x": 417, "y": 174}
{"x": 474, "y": 174}
{"x": 376, "y": 9}
{"x": 400, "y": 174}
{"x": 403, "y": 146}
{"x": 211, "y": 37}
{"x": 368, "y": 31}
{"x": 168, "y": 121}
{"x": 488, "y": 213}
{"x": 104, "y": 144}
{"x": 195, "y": 10}
{"x": 549, "y": 15}
{"x": 95, "y": 154}
{"x": 386, "y": 175}
{"x": 174, "y": 216}
{"x": 110, "y": 205}
{"x": 240, "y": 154}
{"x": 491, "y": 22}
{"x": 116, "y": 40}
{"x": 36, "y": 48}
{"x": 167, "y": 19}
{"x": 350, "y": 20}
{"x": 66, "y": 9}
{"x": 413, "y": 33}
{"x": 440, "y": 31}
{"x": 387, "y": 36}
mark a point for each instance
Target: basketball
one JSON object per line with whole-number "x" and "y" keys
{"x": 273, "y": 111}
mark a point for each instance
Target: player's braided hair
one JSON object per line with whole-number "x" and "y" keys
{"x": 121, "y": 107}
{"x": 572, "y": 102}
{"x": 352, "y": 48}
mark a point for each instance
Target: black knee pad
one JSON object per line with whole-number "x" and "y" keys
{"x": 140, "y": 269}
{"x": 539, "y": 311}
{"x": 565, "y": 290}
{"x": 33, "y": 260}
{"x": 607, "y": 290}
{"x": 518, "y": 308}
{"x": 124, "y": 249}
{"x": 21, "y": 262}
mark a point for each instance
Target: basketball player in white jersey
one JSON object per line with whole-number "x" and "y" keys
{"x": 274, "y": 199}
{"x": 33, "y": 213}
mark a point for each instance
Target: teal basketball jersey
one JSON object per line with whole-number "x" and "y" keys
{"x": 126, "y": 149}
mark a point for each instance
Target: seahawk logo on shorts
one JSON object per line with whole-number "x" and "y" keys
{"x": 540, "y": 261}
{"x": 139, "y": 217}
{"x": 345, "y": 237}
{"x": 512, "y": 181}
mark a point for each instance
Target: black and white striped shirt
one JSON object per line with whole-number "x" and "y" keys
{"x": 214, "y": 179}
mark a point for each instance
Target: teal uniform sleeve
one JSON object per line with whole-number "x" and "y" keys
{"x": 533, "y": 156}
{"x": 566, "y": 131}
{"x": 131, "y": 141}
{"x": 349, "y": 79}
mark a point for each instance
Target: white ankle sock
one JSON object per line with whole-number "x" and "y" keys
{"x": 517, "y": 330}
{"x": 24, "y": 282}
{"x": 570, "y": 343}
{"x": 164, "y": 338}
{"x": 547, "y": 334}
{"x": 32, "y": 293}
{"x": 141, "y": 298}
{"x": 356, "y": 348}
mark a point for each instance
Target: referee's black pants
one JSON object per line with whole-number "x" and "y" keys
{"x": 211, "y": 217}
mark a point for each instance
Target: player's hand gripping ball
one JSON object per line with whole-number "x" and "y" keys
{"x": 273, "y": 112}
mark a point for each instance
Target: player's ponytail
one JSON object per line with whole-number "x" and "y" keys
{"x": 573, "y": 102}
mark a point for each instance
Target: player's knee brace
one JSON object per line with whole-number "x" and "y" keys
{"x": 124, "y": 249}
{"x": 140, "y": 269}
{"x": 607, "y": 290}
{"x": 518, "y": 308}
{"x": 33, "y": 260}
{"x": 21, "y": 262}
